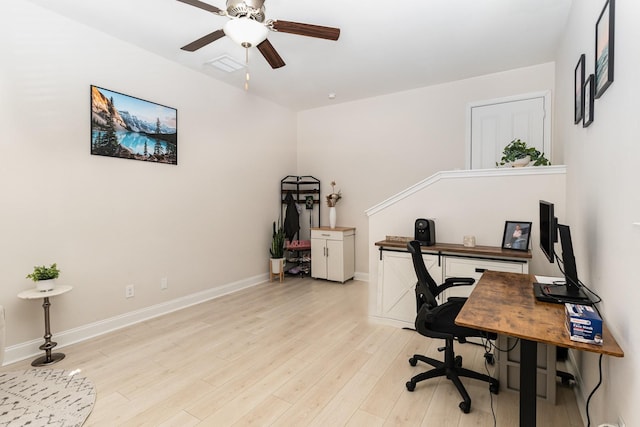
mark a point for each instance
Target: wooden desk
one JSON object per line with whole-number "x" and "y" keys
{"x": 459, "y": 249}
{"x": 504, "y": 303}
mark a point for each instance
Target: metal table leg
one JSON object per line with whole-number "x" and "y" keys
{"x": 528, "y": 373}
{"x": 48, "y": 358}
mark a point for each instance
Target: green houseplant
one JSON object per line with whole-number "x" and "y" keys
{"x": 518, "y": 150}
{"x": 44, "y": 276}
{"x": 277, "y": 242}
{"x": 277, "y": 250}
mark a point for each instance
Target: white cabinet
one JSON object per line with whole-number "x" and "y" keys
{"x": 333, "y": 253}
{"x": 396, "y": 302}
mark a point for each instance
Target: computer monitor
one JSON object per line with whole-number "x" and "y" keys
{"x": 548, "y": 235}
{"x": 570, "y": 290}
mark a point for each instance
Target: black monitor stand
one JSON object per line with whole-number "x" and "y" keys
{"x": 571, "y": 291}
{"x": 560, "y": 294}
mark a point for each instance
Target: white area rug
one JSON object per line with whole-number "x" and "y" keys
{"x": 45, "y": 397}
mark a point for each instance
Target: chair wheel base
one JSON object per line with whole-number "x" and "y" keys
{"x": 458, "y": 361}
{"x": 413, "y": 361}
{"x": 465, "y": 407}
{"x": 411, "y": 386}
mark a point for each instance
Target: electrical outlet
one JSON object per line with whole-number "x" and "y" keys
{"x": 164, "y": 283}
{"x": 129, "y": 291}
{"x": 621, "y": 422}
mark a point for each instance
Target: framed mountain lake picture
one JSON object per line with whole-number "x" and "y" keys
{"x": 131, "y": 128}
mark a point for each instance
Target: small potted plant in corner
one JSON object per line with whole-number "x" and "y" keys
{"x": 517, "y": 154}
{"x": 44, "y": 276}
{"x": 277, "y": 248}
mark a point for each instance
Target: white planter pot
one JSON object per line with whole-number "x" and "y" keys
{"x": 45, "y": 285}
{"x": 276, "y": 265}
{"x": 521, "y": 162}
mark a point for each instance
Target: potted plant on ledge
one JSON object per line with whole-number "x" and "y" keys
{"x": 517, "y": 154}
{"x": 44, "y": 276}
{"x": 277, "y": 250}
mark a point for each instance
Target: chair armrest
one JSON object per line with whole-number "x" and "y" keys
{"x": 456, "y": 281}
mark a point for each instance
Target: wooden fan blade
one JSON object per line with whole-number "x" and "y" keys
{"x": 308, "y": 30}
{"x": 269, "y": 52}
{"x": 203, "y": 41}
{"x": 203, "y": 6}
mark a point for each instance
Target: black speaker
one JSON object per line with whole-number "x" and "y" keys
{"x": 425, "y": 232}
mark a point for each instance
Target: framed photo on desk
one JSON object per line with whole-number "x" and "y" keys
{"x": 516, "y": 235}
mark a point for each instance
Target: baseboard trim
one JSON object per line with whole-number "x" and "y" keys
{"x": 391, "y": 322}
{"x": 364, "y": 277}
{"x": 578, "y": 389}
{"x": 30, "y": 349}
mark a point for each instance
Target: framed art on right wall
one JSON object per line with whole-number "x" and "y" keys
{"x": 587, "y": 100}
{"x": 604, "y": 48}
{"x": 578, "y": 102}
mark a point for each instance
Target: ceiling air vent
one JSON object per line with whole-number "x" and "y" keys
{"x": 226, "y": 63}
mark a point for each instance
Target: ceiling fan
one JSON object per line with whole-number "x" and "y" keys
{"x": 248, "y": 28}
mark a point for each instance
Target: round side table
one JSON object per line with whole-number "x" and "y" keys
{"x": 48, "y": 358}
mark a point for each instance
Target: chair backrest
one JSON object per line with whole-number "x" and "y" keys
{"x": 426, "y": 287}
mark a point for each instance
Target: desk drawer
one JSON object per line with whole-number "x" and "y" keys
{"x": 331, "y": 234}
{"x": 465, "y": 267}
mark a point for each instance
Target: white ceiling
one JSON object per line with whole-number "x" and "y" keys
{"x": 384, "y": 46}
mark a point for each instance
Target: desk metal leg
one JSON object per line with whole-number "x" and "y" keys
{"x": 528, "y": 374}
{"x": 48, "y": 358}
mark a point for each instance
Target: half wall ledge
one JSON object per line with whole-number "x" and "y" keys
{"x": 465, "y": 174}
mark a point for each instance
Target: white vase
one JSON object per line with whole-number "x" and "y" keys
{"x": 332, "y": 217}
{"x": 45, "y": 285}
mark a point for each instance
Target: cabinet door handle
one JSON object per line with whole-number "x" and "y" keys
{"x": 480, "y": 270}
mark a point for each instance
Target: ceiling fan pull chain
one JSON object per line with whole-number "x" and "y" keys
{"x": 246, "y": 76}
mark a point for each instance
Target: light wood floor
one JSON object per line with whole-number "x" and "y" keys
{"x": 298, "y": 353}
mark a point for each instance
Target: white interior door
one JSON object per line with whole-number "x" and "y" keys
{"x": 493, "y": 124}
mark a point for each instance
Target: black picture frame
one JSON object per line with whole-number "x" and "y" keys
{"x": 605, "y": 30}
{"x": 587, "y": 99}
{"x": 127, "y": 127}
{"x": 578, "y": 78}
{"x": 517, "y": 235}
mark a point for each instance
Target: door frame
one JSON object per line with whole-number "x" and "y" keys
{"x": 546, "y": 142}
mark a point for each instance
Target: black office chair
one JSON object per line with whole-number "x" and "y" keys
{"x": 438, "y": 321}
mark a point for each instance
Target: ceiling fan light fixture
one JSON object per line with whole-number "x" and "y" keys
{"x": 245, "y": 31}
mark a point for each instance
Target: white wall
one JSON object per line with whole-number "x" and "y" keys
{"x": 376, "y": 147}
{"x": 602, "y": 201}
{"x": 111, "y": 222}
